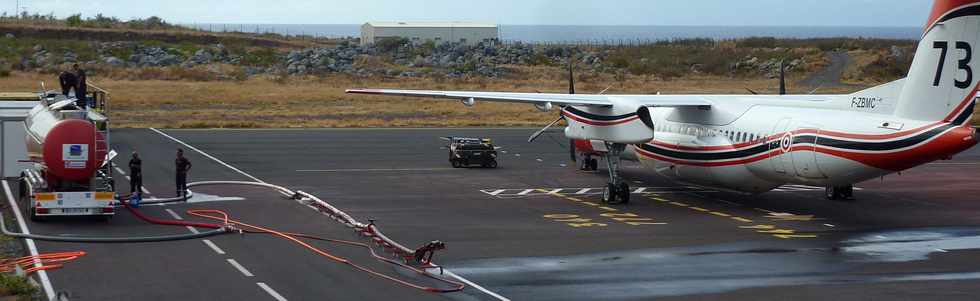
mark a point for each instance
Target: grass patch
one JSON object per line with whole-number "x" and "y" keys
{"x": 13, "y": 285}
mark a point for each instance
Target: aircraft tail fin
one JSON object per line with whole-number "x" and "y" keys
{"x": 943, "y": 80}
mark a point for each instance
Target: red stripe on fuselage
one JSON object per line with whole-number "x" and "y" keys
{"x": 942, "y": 7}
{"x": 947, "y": 144}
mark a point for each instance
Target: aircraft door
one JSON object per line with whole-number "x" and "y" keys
{"x": 781, "y": 159}
{"x": 804, "y": 152}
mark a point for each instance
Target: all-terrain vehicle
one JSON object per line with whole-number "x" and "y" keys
{"x": 464, "y": 152}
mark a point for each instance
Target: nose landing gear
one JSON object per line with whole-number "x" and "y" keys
{"x": 841, "y": 193}
{"x": 616, "y": 191}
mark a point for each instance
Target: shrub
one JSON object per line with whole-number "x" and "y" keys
{"x": 74, "y": 20}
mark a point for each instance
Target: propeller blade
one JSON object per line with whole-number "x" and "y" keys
{"x": 750, "y": 91}
{"x": 539, "y": 132}
{"x": 605, "y": 90}
{"x": 571, "y": 77}
{"x": 782, "y": 78}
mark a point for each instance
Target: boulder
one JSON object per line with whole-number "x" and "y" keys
{"x": 114, "y": 61}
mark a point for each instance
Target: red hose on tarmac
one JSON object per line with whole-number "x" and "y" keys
{"x": 221, "y": 215}
{"x": 158, "y": 221}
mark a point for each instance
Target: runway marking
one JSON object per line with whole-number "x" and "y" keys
{"x": 240, "y": 267}
{"x": 796, "y": 188}
{"x": 193, "y": 230}
{"x": 270, "y": 291}
{"x": 742, "y": 219}
{"x": 700, "y": 209}
{"x": 207, "y": 155}
{"x": 572, "y": 219}
{"x": 771, "y": 230}
{"x": 174, "y": 214}
{"x": 680, "y": 204}
{"x": 720, "y": 214}
{"x": 608, "y": 208}
{"x": 42, "y": 275}
{"x": 591, "y": 204}
{"x": 525, "y": 192}
{"x": 265, "y": 287}
{"x": 376, "y": 169}
{"x": 213, "y": 247}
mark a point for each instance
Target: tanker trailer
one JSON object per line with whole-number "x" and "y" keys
{"x": 71, "y": 175}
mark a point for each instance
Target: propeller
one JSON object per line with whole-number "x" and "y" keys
{"x": 571, "y": 90}
{"x": 782, "y": 81}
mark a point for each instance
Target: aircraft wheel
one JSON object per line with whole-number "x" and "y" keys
{"x": 609, "y": 194}
{"x": 623, "y": 193}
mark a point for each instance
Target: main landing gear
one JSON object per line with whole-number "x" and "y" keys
{"x": 842, "y": 193}
{"x": 616, "y": 191}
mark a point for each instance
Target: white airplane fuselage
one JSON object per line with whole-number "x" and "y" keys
{"x": 755, "y": 143}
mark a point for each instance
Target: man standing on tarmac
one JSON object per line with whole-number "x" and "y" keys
{"x": 183, "y": 166}
{"x": 135, "y": 175}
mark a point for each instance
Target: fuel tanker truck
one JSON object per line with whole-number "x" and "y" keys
{"x": 71, "y": 174}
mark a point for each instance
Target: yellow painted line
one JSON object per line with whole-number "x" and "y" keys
{"x": 720, "y": 214}
{"x": 591, "y": 204}
{"x": 783, "y": 236}
{"x": 764, "y": 210}
{"x": 679, "y": 204}
{"x": 744, "y": 220}
{"x": 700, "y": 209}
{"x": 608, "y": 209}
{"x": 575, "y": 200}
{"x": 660, "y": 199}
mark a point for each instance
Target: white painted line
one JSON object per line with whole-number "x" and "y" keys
{"x": 526, "y": 191}
{"x": 476, "y": 286}
{"x": 193, "y": 230}
{"x": 145, "y": 191}
{"x": 213, "y": 247}
{"x": 272, "y": 292}
{"x": 207, "y": 155}
{"x": 119, "y": 170}
{"x": 583, "y": 191}
{"x": 539, "y": 160}
{"x": 375, "y": 169}
{"x": 240, "y": 268}
{"x": 496, "y": 192}
{"x": 555, "y": 191}
{"x": 174, "y": 214}
{"x": 942, "y": 251}
{"x": 640, "y": 190}
{"x": 31, "y": 247}
{"x": 829, "y": 225}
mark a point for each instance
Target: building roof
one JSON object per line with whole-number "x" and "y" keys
{"x": 433, "y": 24}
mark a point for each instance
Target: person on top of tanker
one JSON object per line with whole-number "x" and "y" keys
{"x": 81, "y": 87}
{"x": 68, "y": 81}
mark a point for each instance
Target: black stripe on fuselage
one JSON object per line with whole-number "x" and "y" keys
{"x": 588, "y": 115}
{"x": 966, "y": 114}
{"x": 798, "y": 140}
{"x": 973, "y": 10}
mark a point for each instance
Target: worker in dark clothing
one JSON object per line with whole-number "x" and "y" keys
{"x": 136, "y": 175}
{"x": 68, "y": 81}
{"x": 183, "y": 166}
{"x": 81, "y": 89}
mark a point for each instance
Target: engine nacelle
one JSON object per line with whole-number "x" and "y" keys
{"x": 616, "y": 124}
{"x": 545, "y": 107}
{"x": 644, "y": 114}
{"x": 469, "y": 102}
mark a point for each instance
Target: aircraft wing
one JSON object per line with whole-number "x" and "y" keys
{"x": 553, "y": 98}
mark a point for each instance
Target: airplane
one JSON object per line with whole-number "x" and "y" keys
{"x": 755, "y": 143}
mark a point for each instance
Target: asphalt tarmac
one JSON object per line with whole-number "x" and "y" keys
{"x": 532, "y": 229}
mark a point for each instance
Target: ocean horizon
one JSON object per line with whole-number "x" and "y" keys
{"x": 600, "y": 34}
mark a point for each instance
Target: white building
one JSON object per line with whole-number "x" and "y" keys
{"x": 439, "y": 32}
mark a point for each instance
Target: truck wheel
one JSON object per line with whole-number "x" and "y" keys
{"x": 492, "y": 164}
{"x": 34, "y": 216}
{"x": 594, "y": 164}
{"x": 456, "y": 163}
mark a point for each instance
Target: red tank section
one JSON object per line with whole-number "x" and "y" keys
{"x": 70, "y": 150}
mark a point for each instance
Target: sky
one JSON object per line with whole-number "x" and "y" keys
{"x": 903, "y": 13}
